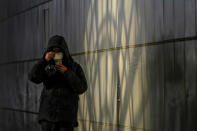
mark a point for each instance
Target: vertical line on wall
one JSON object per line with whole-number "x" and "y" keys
{"x": 164, "y": 110}
{"x": 184, "y": 73}
{"x": 46, "y": 25}
{"x": 118, "y": 99}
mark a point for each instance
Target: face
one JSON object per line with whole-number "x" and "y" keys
{"x": 58, "y": 53}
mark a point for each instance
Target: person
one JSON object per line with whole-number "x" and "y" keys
{"x": 63, "y": 82}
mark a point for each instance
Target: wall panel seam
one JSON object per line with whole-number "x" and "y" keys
{"x": 172, "y": 41}
{"x": 24, "y": 11}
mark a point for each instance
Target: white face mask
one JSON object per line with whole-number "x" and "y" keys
{"x": 58, "y": 58}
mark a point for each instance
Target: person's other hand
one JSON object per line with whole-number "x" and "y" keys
{"x": 49, "y": 55}
{"x": 61, "y": 67}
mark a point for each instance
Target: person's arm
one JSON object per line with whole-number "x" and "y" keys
{"x": 36, "y": 74}
{"x": 76, "y": 79}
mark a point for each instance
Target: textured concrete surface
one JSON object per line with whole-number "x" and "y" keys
{"x": 139, "y": 57}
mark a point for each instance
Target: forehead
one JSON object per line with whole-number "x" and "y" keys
{"x": 56, "y": 49}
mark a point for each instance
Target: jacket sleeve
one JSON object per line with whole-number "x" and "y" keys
{"x": 36, "y": 74}
{"x": 76, "y": 79}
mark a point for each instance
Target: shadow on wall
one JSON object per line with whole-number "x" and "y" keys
{"x": 142, "y": 71}
{"x": 109, "y": 24}
{"x": 151, "y": 78}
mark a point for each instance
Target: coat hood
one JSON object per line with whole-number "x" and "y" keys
{"x": 59, "y": 42}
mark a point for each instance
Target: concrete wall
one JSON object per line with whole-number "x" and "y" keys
{"x": 139, "y": 57}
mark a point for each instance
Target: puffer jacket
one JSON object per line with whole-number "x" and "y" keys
{"x": 60, "y": 95}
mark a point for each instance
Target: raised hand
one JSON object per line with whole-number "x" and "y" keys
{"x": 49, "y": 55}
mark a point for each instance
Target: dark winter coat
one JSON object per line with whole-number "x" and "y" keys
{"x": 60, "y": 95}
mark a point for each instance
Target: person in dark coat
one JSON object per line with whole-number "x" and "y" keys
{"x": 63, "y": 82}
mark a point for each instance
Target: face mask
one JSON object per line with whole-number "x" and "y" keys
{"x": 58, "y": 58}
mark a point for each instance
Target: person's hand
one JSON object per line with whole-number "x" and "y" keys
{"x": 61, "y": 67}
{"x": 49, "y": 55}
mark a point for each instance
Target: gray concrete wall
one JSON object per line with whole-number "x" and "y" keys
{"x": 139, "y": 57}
